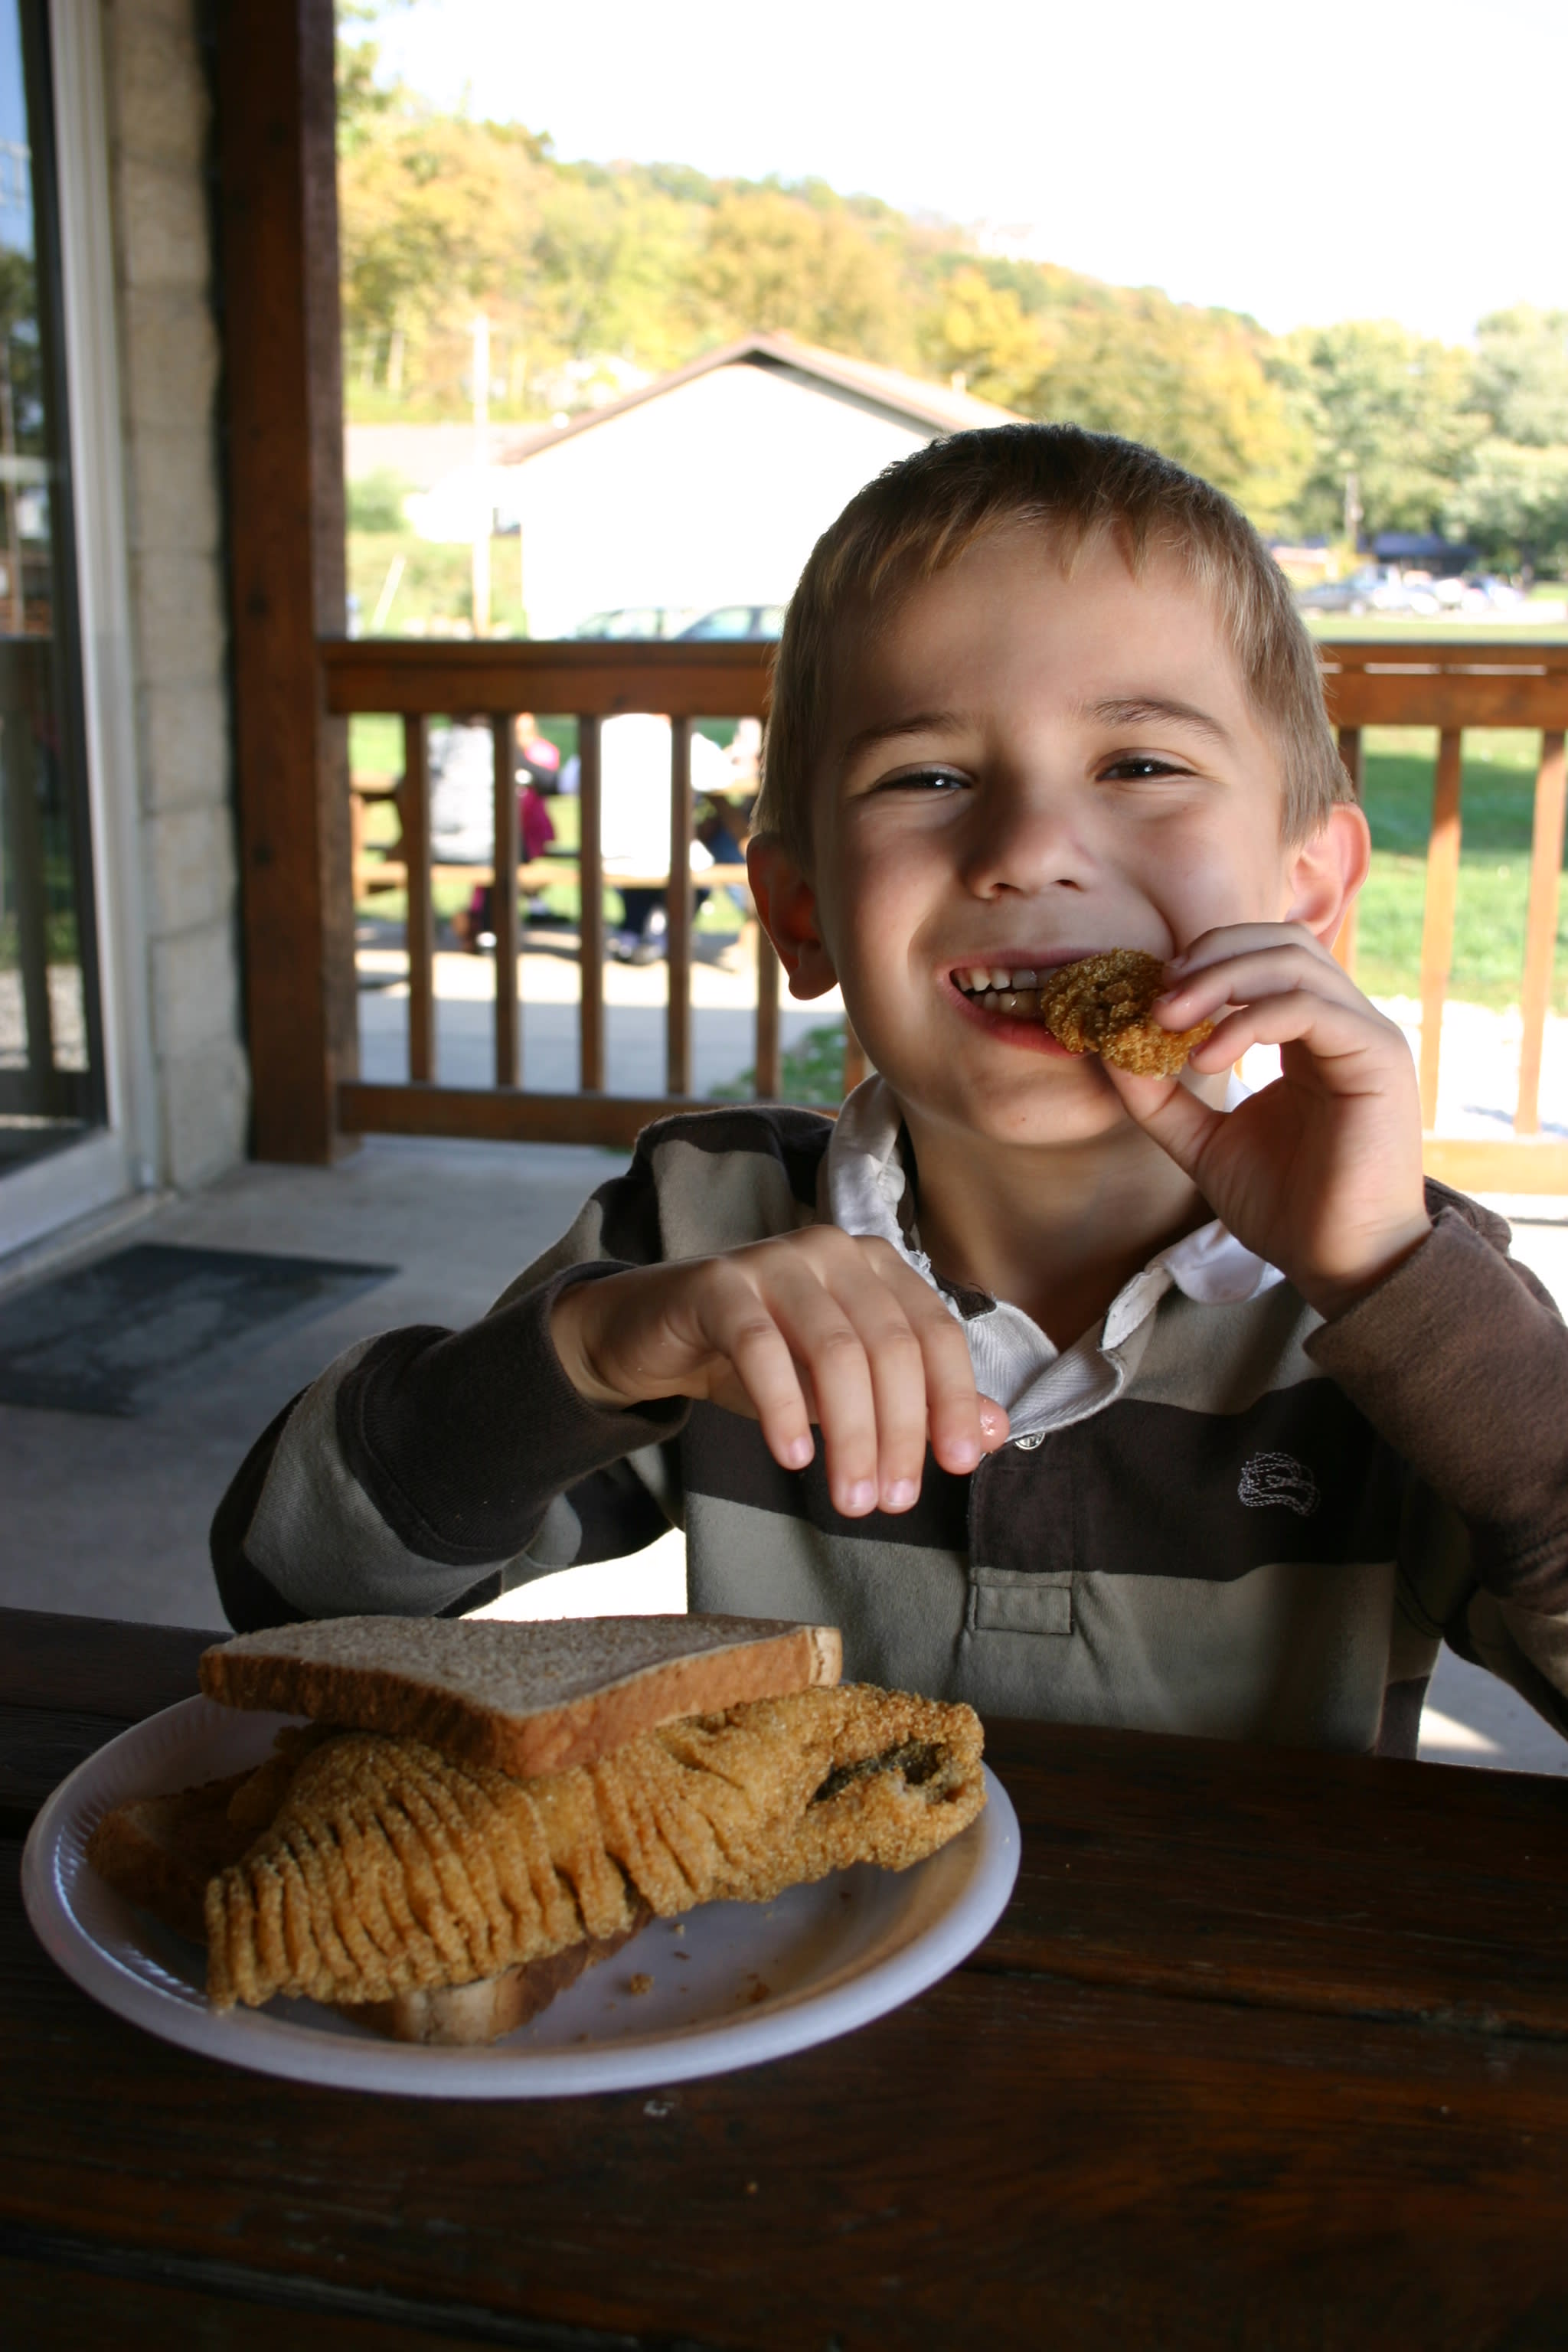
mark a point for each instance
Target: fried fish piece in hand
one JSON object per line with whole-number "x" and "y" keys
{"x": 390, "y": 1869}
{"x": 1102, "y": 1006}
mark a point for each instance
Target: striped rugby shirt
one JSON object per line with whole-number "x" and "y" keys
{"x": 1216, "y": 1513}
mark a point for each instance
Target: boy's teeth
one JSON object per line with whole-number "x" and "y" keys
{"x": 983, "y": 981}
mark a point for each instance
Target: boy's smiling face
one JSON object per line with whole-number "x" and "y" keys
{"x": 1022, "y": 767}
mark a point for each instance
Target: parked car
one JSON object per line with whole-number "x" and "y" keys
{"x": 640, "y": 621}
{"x": 1375, "y": 588}
{"x": 1352, "y": 595}
{"x": 738, "y": 621}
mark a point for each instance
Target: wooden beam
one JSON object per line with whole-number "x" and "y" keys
{"x": 419, "y": 922}
{"x": 1483, "y": 1166}
{"x": 1450, "y": 699}
{"x": 678, "y": 904}
{"x": 1438, "y": 920}
{"x": 504, "y": 908}
{"x": 1350, "y": 761}
{"x": 1445, "y": 653}
{"x": 1541, "y": 927}
{"x": 767, "y": 1080}
{"x": 504, "y": 1115}
{"x": 582, "y": 674}
{"x": 283, "y": 396}
{"x": 591, "y": 909}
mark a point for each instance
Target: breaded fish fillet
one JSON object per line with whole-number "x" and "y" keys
{"x": 389, "y": 1869}
{"x": 1102, "y": 1005}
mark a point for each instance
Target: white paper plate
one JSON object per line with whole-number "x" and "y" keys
{"x": 733, "y": 1983}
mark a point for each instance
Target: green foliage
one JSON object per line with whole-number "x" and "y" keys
{"x": 774, "y": 260}
{"x": 811, "y": 1073}
{"x": 375, "y": 502}
{"x": 593, "y": 275}
{"x": 1388, "y": 407}
{"x": 1511, "y": 501}
{"x": 1521, "y": 374}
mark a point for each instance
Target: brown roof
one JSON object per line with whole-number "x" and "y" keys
{"x": 936, "y": 408}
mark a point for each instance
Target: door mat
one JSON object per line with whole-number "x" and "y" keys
{"x": 115, "y": 1336}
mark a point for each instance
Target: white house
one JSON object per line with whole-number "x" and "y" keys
{"x": 709, "y": 486}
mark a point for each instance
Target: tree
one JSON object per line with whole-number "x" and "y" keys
{"x": 1521, "y": 374}
{"x": 1190, "y": 382}
{"x": 1390, "y": 407}
{"x": 1513, "y": 503}
{"x": 772, "y": 260}
{"x": 982, "y": 332}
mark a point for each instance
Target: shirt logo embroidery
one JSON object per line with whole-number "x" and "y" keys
{"x": 1269, "y": 1478}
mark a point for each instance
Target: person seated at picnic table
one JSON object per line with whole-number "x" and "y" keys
{"x": 462, "y": 808}
{"x": 634, "y": 823}
{"x": 1098, "y": 1393}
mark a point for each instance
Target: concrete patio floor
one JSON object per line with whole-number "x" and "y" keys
{"x": 109, "y": 1517}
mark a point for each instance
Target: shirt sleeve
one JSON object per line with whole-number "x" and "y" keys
{"x": 1459, "y": 1359}
{"x": 426, "y": 1470}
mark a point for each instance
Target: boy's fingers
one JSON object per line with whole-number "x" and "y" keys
{"x": 922, "y": 1377}
{"x": 1231, "y": 939}
{"x": 1269, "y": 970}
{"x": 1180, "y": 1121}
{"x": 739, "y": 1329}
{"x": 833, "y": 1355}
{"x": 1344, "y": 1039}
{"x": 963, "y": 1425}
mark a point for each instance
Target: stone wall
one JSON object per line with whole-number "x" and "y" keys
{"x": 160, "y": 110}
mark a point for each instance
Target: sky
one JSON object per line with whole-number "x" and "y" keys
{"x": 1304, "y": 162}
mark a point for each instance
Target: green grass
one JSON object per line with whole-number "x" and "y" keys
{"x": 434, "y": 596}
{"x": 1497, "y": 805}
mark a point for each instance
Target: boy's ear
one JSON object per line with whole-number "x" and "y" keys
{"x": 786, "y": 904}
{"x": 1327, "y": 871}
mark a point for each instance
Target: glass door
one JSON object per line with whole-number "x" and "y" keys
{"x": 51, "y": 1046}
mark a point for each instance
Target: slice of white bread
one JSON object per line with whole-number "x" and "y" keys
{"x": 523, "y": 1698}
{"x": 455, "y": 2015}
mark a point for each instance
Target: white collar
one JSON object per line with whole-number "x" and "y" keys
{"x": 865, "y": 1181}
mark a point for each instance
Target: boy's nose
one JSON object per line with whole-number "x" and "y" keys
{"x": 1028, "y": 843}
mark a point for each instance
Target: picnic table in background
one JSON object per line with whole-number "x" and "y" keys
{"x": 1268, "y": 2048}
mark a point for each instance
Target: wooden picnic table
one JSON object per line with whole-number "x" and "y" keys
{"x": 1269, "y": 2049}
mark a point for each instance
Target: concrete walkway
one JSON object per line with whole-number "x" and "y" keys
{"x": 109, "y": 1518}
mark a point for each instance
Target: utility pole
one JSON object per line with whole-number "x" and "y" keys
{"x": 482, "y": 467}
{"x": 1353, "y": 510}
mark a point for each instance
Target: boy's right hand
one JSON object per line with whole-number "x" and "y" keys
{"x": 818, "y": 1326}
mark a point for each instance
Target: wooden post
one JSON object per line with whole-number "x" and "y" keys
{"x": 1350, "y": 759}
{"x": 678, "y": 899}
{"x": 767, "y": 1018}
{"x": 503, "y": 903}
{"x": 1541, "y": 925}
{"x": 590, "y": 911}
{"x": 1437, "y": 924}
{"x": 419, "y": 924}
{"x": 282, "y": 374}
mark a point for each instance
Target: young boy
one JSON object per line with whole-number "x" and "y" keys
{"x": 1129, "y": 1407}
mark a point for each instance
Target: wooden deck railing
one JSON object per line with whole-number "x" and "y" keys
{"x": 1450, "y": 687}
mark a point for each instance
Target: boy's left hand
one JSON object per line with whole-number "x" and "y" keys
{"x": 1321, "y": 1172}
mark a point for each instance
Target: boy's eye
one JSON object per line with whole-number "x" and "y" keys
{"x": 924, "y": 779}
{"x": 1135, "y": 767}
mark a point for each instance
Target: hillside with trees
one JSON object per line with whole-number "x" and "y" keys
{"x": 595, "y": 276}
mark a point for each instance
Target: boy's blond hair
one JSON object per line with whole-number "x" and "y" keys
{"x": 920, "y": 514}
